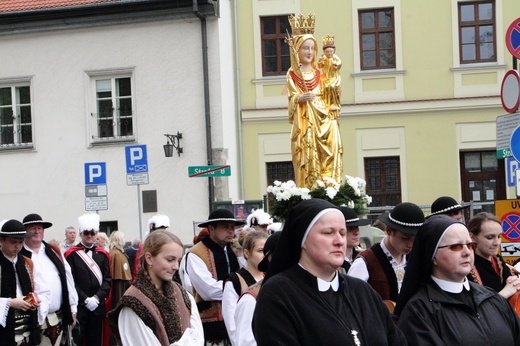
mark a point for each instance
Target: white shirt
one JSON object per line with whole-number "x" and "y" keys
{"x": 41, "y": 290}
{"x": 43, "y": 263}
{"x": 244, "y": 312}
{"x": 359, "y": 266}
{"x": 185, "y": 278}
{"x": 201, "y": 280}
{"x": 229, "y": 304}
{"x": 134, "y": 332}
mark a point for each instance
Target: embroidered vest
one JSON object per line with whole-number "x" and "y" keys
{"x": 253, "y": 289}
{"x": 24, "y": 270}
{"x": 209, "y": 311}
{"x": 241, "y": 280}
{"x": 381, "y": 274}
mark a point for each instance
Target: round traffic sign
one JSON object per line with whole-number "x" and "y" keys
{"x": 511, "y": 226}
{"x": 513, "y": 38}
{"x": 514, "y": 143}
{"x": 510, "y": 91}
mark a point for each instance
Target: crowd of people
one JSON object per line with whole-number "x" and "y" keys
{"x": 431, "y": 281}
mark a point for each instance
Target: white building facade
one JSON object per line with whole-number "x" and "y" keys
{"x": 80, "y": 83}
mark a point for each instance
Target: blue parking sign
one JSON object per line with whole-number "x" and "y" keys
{"x": 136, "y": 160}
{"x": 95, "y": 173}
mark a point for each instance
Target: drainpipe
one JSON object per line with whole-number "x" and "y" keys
{"x": 207, "y": 113}
{"x": 239, "y": 105}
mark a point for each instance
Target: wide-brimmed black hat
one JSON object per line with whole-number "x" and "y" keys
{"x": 221, "y": 215}
{"x": 446, "y": 204}
{"x": 351, "y": 218}
{"x": 405, "y": 217}
{"x": 14, "y": 228}
{"x": 269, "y": 247}
{"x": 35, "y": 218}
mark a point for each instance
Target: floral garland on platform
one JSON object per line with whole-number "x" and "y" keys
{"x": 350, "y": 193}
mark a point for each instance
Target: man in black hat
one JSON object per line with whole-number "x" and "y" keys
{"x": 448, "y": 206}
{"x": 24, "y": 298}
{"x": 383, "y": 265}
{"x": 207, "y": 264}
{"x": 58, "y": 278}
{"x": 353, "y": 222}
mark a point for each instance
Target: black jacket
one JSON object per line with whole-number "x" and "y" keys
{"x": 87, "y": 285}
{"x": 290, "y": 310}
{"x": 434, "y": 317}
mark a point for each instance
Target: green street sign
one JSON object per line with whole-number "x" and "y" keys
{"x": 209, "y": 171}
{"x": 504, "y": 153}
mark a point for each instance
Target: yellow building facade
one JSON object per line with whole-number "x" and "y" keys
{"x": 417, "y": 122}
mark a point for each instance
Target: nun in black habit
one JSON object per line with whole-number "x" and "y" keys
{"x": 304, "y": 300}
{"x": 438, "y": 305}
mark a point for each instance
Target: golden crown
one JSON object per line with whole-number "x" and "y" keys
{"x": 302, "y": 24}
{"x": 328, "y": 41}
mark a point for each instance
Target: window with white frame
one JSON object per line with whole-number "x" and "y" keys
{"x": 15, "y": 116}
{"x": 477, "y": 32}
{"x": 276, "y": 58}
{"x": 113, "y": 116}
{"x": 377, "y": 38}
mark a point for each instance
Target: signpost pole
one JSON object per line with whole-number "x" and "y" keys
{"x": 137, "y": 174}
{"x": 139, "y": 212}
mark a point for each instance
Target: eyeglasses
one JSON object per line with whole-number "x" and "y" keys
{"x": 458, "y": 247}
{"x": 92, "y": 233}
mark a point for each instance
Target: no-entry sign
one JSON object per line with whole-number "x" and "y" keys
{"x": 513, "y": 38}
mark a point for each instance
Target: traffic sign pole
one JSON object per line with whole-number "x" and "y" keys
{"x": 137, "y": 174}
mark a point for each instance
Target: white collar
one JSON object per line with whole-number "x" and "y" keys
{"x": 389, "y": 255}
{"x": 451, "y": 287}
{"x": 324, "y": 286}
{"x": 42, "y": 248}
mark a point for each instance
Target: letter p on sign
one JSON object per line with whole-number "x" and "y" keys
{"x": 136, "y": 154}
{"x": 136, "y": 160}
{"x": 95, "y": 173}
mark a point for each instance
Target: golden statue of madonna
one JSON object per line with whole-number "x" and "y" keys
{"x": 316, "y": 146}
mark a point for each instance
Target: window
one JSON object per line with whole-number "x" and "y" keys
{"x": 482, "y": 180}
{"x": 276, "y": 59}
{"x": 383, "y": 177}
{"x": 15, "y": 116}
{"x": 114, "y": 116}
{"x": 477, "y": 32}
{"x": 108, "y": 227}
{"x": 376, "y": 30}
{"x": 281, "y": 171}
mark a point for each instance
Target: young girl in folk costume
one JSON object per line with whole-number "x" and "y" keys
{"x": 316, "y": 145}
{"x": 156, "y": 310}
{"x": 157, "y": 221}
{"x": 247, "y": 301}
{"x": 236, "y": 283}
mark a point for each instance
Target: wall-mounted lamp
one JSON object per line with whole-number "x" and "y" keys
{"x": 172, "y": 141}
